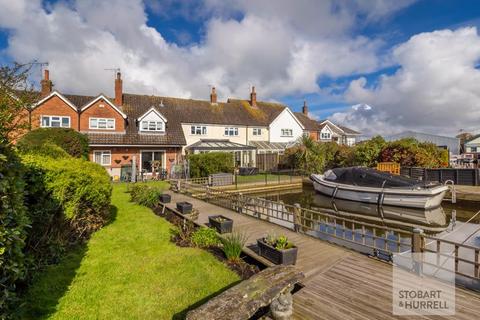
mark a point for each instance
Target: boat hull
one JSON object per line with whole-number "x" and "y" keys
{"x": 410, "y": 198}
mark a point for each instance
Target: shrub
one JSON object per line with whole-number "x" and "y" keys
{"x": 13, "y": 223}
{"x": 233, "y": 244}
{"x": 73, "y": 142}
{"x": 145, "y": 195}
{"x": 367, "y": 153}
{"x": 79, "y": 189}
{"x": 205, "y": 237}
{"x": 204, "y": 164}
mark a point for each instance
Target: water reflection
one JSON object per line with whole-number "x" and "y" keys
{"x": 432, "y": 221}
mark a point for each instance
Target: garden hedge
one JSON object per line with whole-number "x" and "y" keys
{"x": 73, "y": 142}
{"x": 13, "y": 229}
{"x": 204, "y": 164}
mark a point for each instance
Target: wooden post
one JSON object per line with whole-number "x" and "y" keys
{"x": 417, "y": 240}
{"x": 417, "y": 247}
{"x": 297, "y": 217}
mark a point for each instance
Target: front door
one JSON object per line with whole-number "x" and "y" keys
{"x": 152, "y": 160}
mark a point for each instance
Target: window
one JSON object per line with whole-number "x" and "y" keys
{"x": 257, "y": 131}
{"x": 102, "y": 157}
{"x": 102, "y": 123}
{"x": 287, "y": 132}
{"x": 326, "y": 135}
{"x": 152, "y": 126}
{"x": 198, "y": 130}
{"x": 151, "y": 160}
{"x": 55, "y": 122}
{"x": 231, "y": 131}
{"x": 473, "y": 149}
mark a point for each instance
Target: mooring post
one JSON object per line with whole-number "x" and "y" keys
{"x": 297, "y": 217}
{"x": 417, "y": 248}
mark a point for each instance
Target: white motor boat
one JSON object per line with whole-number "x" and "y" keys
{"x": 372, "y": 186}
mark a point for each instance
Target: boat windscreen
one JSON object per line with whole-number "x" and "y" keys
{"x": 367, "y": 177}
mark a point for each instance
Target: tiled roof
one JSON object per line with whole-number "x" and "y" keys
{"x": 233, "y": 112}
{"x": 348, "y": 130}
{"x": 308, "y": 123}
{"x": 177, "y": 111}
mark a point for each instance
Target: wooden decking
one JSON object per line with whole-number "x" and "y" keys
{"x": 340, "y": 283}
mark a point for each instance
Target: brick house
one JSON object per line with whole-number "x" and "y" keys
{"x": 152, "y": 131}
{"x": 326, "y": 130}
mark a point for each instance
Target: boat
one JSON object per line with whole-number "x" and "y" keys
{"x": 381, "y": 188}
{"x": 430, "y": 220}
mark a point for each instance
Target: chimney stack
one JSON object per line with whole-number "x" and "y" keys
{"x": 46, "y": 84}
{"x": 119, "y": 90}
{"x": 305, "y": 108}
{"x": 213, "y": 96}
{"x": 253, "y": 98}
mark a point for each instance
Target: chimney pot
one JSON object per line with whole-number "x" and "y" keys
{"x": 46, "y": 84}
{"x": 119, "y": 90}
{"x": 213, "y": 96}
{"x": 305, "y": 108}
{"x": 253, "y": 97}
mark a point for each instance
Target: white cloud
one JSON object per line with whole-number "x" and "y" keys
{"x": 282, "y": 47}
{"x": 436, "y": 89}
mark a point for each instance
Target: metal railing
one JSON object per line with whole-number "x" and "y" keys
{"x": 381, "y": 240}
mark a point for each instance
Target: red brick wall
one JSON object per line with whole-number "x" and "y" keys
{"x": 96, "y": 111}
{"x": 54, "y": 107}
{"x": 314, "y": 135}
{"x": 124, "y": 155}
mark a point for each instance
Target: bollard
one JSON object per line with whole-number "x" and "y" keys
{"x": 417, "y": 246}
{"x": 297, "y": 217}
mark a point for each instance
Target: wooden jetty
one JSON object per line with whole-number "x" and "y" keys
{"x": 340, "y": 283}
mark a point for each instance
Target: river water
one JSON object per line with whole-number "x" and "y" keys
{"x": 436, "y": 221}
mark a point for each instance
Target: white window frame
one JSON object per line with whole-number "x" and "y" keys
{"x": 325, "y": 135}
{"x": 50, "y": 121}
{"x": 257, "y": 131}
{"x": 102, "y": 154}
{"x": 154, "y": 128}
{"x": 287, "y": 132}
{"x": 101, "y": 119}
{"x": 201, "y": 128}
{"x": 231, "y": 132}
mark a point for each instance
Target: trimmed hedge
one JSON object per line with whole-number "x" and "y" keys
{"x": 73, "y": 142}
{"x": 204, "y": 164}
{"x": 13, "y": 229}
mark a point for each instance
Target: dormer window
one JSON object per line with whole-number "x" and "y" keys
{"x": 155, "y": 126}
{"x": 152, "y": 121}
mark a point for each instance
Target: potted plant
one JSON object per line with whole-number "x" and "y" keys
{"x": 278, "y": 250}
{"x": 221, "y": 223}
{"x": 184, "y": 207}
{"x": 165, "y": 198}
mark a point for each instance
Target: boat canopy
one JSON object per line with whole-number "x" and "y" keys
{"x": 367, "y": 177}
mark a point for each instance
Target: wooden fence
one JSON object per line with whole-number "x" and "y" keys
{"x": 380, "y": 240}
{"x": 468, "y": 177}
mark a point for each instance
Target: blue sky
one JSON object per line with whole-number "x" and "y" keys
{"x": 333, "y": 53}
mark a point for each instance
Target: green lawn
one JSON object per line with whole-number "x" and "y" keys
{"x": 128, "y": 270}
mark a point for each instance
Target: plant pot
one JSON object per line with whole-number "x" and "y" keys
{"x": 224, "y": 226}
{"x": 285, "y": 257}
{"x": 165, "y": 198}
{"x": 184, "y": 207}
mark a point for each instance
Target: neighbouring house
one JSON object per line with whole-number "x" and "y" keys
{"x": 326, "y": 130}
{"x": 151, "y": 131}
{"x": 449, "y": 143}
{"x": 472, "y": 148}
